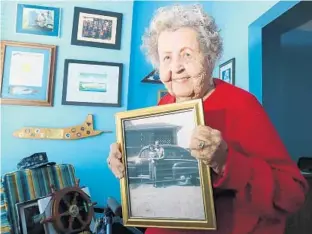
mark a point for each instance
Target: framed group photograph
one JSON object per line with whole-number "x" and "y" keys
{"x": 28, "y": 221}
{"x": 96, "y": 28}
{"x": 27, "y": 73}
{"x": 152, "y": 77}
{"x": 38, "y": 20}
{"x": 161, "y": 175}
{"x": 227, "y": 71}
{"x": 92, "y": 83}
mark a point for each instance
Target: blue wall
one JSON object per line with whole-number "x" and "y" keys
{"x": 287, "y": 82}
{"x": 87, "y": 155}
{"x": 255, "y": 44}
{"x": 234, "y": 18}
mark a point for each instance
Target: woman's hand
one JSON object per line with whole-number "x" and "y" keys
{"x": 114, "y": 161}
{"x": 208, "y": 145}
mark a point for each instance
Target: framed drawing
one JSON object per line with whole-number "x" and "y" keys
{"x": 227, "y": 71}
{"x": 152, "y": 77}
{"x": 38, "y": 20}
{"x": 27, "y": 73}
{"x": 159, "y": 168}
{"x": 27, "y": 213}
{"x": 96, "y": 28}
{"x": 161, "y": 94}
{"x": 91, "y": 83}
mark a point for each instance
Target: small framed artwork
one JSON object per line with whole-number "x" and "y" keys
{"x": 152, "y": 77}
{"x": 27, "y": 73}
{"x": 92, "y": 83}
{"x": 227, "y": 71}
{"x": 96, "y": 28}
{"x": 161, "y": 94}
{"x": 160, "y": 173}
{"x": 38, "y": 20}
{"x": 28, "y": 217}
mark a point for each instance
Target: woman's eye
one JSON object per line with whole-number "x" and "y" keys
{"x": 166, "y": 58}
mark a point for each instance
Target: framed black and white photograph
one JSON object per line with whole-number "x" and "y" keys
{"x": 161, "y": 174}
{"x": 227, "y": 71}
{"x": 28, "y": 217}
{"x": 92, "y": 83}
{"x": 96, "y": 28}
{"x": 152, "y": 77}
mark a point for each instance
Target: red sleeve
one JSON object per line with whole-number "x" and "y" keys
{"x": 258, "y": 166}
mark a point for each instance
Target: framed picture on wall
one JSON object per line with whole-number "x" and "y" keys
{"x": 227, "y": 71}
{"x": 92, "y": 83}
{"x": 160, "y": 172}
{"x": 38, "y": 20}
{"x": 96, "y": 28}
{"x": 27, "y": 73}
{"x": 152, "y": 77}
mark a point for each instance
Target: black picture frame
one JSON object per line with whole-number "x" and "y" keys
{"x": 99, "y": 43}
{"x": 152, "y": 77}
{"x": 90, "y": 64}
{"x": 26, "y": 212}
{"x": 228, "y": 68}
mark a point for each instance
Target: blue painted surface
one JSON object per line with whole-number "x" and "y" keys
{"x": 87, "y": 155}
{"x": 255, "y": 44}
{"x": 287, "y": 82}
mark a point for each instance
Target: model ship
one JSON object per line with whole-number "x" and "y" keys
{"x": 70, "y": 133}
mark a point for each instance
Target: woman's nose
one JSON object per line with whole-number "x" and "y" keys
{"x": 177, "y": 67}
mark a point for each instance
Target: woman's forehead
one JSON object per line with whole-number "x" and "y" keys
{"x": 170, "y": 41}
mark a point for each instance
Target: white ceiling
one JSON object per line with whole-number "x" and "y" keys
{"x": 306, "y": 26}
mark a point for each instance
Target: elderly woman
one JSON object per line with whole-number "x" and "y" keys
{"x": 256, "y": 183}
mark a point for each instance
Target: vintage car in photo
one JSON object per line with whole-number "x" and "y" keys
{"x": 176, "y": 166}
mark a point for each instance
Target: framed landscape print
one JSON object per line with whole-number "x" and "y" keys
{"x": 92, "y": 83}
{"x": 161, "y": 175}
{"x": 227, "y": 71}
{"x": 96, "y": 28}
{"x": 38, "y": 20}
{"x": 27, "y": 73}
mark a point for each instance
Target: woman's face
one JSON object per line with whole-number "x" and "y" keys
{"x": 183, "y": 67}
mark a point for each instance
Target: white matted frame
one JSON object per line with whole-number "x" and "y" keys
{"x": 227, "y": 71}
{"x": 160, "y": 173}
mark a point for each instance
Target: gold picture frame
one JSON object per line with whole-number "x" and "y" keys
{"x": 27, "y": 73}
{"x": 165, "y": 184}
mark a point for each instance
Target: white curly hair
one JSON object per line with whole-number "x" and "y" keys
{"x": 176, "y": 16}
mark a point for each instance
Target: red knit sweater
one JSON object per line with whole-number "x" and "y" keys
{"x": 267, "y": 182}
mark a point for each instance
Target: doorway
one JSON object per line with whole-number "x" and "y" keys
{"x": 287, "y": 77}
